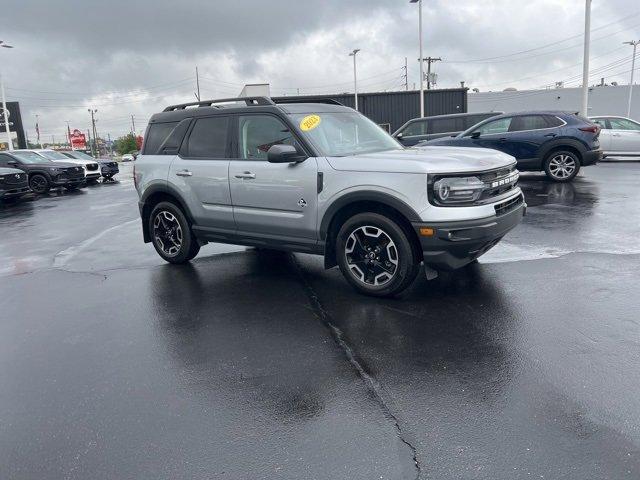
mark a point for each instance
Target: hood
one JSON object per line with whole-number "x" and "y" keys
{"x": 10, "y": 171}
{"x": 425, "y": 160}
{"x": 74, "y": 161}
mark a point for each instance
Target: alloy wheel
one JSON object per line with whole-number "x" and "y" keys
{"x": 372, "y": 256}
{"x": 562, "y": 166}
{"x": 167, "y": 233}
{"x": 38, "y": 184}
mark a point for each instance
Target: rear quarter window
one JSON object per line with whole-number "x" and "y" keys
{"x": 157, "y": 134}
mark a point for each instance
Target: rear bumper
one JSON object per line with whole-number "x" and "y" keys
{"x": 591, "y": 157}
{"x": 455, "y": 244}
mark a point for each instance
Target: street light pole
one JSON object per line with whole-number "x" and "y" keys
{"x": 633, "y": 66}
{"x": 419, "y": 2}
{"x": 585, "y": 60}
{"x": 93, "y": 125}
{"x": 5, "y": 112}
{"x": 355, "y": 77}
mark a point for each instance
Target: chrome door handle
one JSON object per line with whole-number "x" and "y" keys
{"x": 246, "y": 175}
{"x": 184, "y": 173}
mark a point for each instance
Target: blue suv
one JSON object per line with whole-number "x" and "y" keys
{"x": 558, "y": 143}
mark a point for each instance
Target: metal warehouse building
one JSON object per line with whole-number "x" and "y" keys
{"x": 392, "y": 109}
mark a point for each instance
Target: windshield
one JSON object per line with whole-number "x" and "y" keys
{"x": 52, "y": 155}
{"x": 30, "y": 157}
{"x": 339, "y": 134}
{"x": 80, "y": 155}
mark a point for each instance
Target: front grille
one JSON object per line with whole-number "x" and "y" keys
{"x": 15, "y": 178}
{"x": 509, "y": 205}
{"x": 498, "y": 182}
{"x": 92, "y": 166}
{"x": 74, "y": 172}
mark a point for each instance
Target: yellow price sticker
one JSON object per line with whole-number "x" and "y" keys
{"x": 309, "y": 122}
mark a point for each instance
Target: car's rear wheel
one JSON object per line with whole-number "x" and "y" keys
{"x": 39, "y": 184}
{"x": 562, "y": 165}
{"x": 171, "y": 233}
{"x": 375, "y": 255}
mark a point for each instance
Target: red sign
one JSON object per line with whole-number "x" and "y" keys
{"x": 78, "y": 140}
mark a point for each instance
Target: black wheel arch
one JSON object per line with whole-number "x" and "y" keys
{"x": 359, "y": 202}
{"x": 153, "y": 195}
{"x": 568, "y": 144}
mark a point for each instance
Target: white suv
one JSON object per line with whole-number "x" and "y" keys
{"x": 319, "y": 178}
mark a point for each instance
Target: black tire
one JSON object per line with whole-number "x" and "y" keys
{"x": 561, "y": 165}
{"x": 39, "y": 184}
{"x": 370, "y": 241}
{"x": 171, "y": 233}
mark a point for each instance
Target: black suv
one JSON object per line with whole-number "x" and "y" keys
{"x": 44, "y": 174}
{"x": 13, "y": 183}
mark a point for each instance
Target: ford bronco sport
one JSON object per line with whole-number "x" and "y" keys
{"x": 319, "y": 178}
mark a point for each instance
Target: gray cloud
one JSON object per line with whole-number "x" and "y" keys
{"x": 133, "y": 58}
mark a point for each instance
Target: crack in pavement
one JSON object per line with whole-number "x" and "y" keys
{"x": 372, "y": 384}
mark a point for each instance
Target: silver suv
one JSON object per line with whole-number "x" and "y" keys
{"x": 319, "y": 178}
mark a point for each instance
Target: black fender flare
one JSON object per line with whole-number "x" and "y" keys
{"x": 153, "y": 189}
{"x": 365, "y": 196}
{"x": 562, "y": 142}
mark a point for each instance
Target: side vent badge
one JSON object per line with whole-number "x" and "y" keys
{"x": 302, "y": 202}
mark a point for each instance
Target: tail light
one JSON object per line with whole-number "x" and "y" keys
{"x": 591, "y": 129}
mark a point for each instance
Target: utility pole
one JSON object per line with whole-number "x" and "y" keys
{"x": 197, "y": 84}
{"x": 133, "y": 126}
{"x": 94, "y": 146}
{"x": 90, "y": 144}
{"x": 429, "y": 61}
{"x": 110, "y": 145}
{"x": 38, "y": 130}
{"x": 406, "y": 76}
{"x": 419, "y": 2}
{"x": 355, "y": 77}
{"x": 5, "y": 112}
{"x": 633, "y": 66}
{"x": 585, "y": 59}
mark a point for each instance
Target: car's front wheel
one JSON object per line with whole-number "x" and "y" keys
{"x": 375, "y": 255}
{"x": 171, "y": 234}
{"x": 39, "y": 184}
{"x": 562, "y": 165}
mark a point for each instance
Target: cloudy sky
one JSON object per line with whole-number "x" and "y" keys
{"x": 135, "y": 57}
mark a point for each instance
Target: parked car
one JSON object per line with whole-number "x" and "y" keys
{"x": 90, "y": 167}
{"x": 558, "y": 143}
{"x": 429, "y": 128}
{"x": 108, "y": 168}
{"x": 620, "y": 136}
{"x": 14, "y": 183}
{"x": 44, "y": 174}
{"x": 128, "y": 157}
{"x": 319, "y": 178}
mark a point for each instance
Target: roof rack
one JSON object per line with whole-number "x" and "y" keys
{"x": 329, "y": 101}
{"x": 210, "y": 103}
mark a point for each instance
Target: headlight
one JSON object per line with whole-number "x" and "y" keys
{"x": 458, "y": 189}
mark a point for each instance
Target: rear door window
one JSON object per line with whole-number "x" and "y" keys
{"x": 528, "y": 122}
{"x": 444, "y": 125}
{"x": 500, "y": 125}
{"x": 208, "y": 138}
{"x": 157, "y": 134}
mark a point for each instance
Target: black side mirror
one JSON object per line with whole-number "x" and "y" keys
{"x": 284, "y": 154}
{"x": 399, "y": 135}
{"x": 475, "y": 134}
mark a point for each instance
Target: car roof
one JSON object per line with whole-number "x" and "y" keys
{"x": 456, "y": 115}
{"x": 179, "y": 112}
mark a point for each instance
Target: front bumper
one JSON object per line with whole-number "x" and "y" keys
{"x": 109, "y": 171}
{"x": 455, "y": 244}
{"x": 15, "y": 191}
{"x": 591, "y": 157}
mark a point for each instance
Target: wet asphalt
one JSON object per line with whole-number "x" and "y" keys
{"x": 257, "y": 365}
